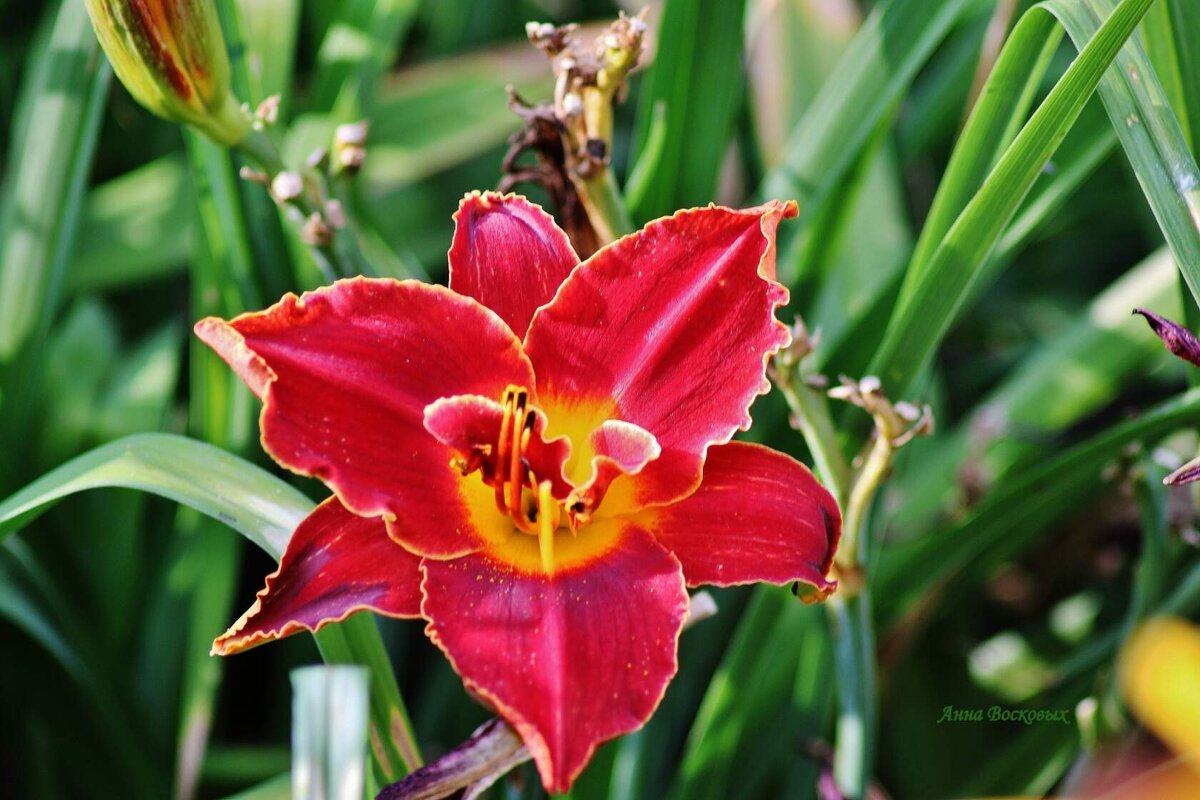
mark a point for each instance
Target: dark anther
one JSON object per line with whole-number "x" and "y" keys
{"x": 530, "y": 421}
{"x": 597, "y": 149}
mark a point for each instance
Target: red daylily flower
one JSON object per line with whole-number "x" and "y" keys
{"x": 537, "y": 460}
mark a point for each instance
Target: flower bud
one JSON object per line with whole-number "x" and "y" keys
{"x": 170, "y": 55}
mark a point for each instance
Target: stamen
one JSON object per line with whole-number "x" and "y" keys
{"x": 514, "y": 467}
{"x": 546, "y": 525}
{"x": 502, "y": 455}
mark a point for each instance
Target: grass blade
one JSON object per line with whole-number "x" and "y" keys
{"x": 877, "y": 67}
{"x": 1150, "y": 134}
{"x": 247, "y": 498}
{"x": 742, "y": 740}
{"x": 696, "y": 80}
{"x": 936, "y": 293}
{"x": 256, "y": 504}
{"x": 1054, "y": 388}
{"x": 329, "y": 732}
{"x": 992, "y": 127}
{"x": 62, "y": 100}
{"x": 1017, "y": 510}
{"x": 1172, "y": 34}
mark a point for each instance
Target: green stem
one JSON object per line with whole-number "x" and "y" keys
{"x": 811, "y": 413}
{"x": 1150, "y": 576}
{"x": 605, "y": 208}
{"x": 852, "y": 625}
{"x": 334, "y": 262}
{"x": 862, "y": 494}
{"x": 853, "y": 634}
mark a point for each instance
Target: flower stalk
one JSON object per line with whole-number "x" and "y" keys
{"x": 850, "y": 615}
{"x": 171, "y": 56}
{"x": 895, "y": 425}
{"x": 572, "y": 135}
{"x": 305, "y": 197}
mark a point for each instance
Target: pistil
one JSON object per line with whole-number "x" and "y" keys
{"x": 547, "y": 524}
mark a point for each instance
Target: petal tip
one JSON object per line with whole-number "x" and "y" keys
{"x": 559, "y": 761}
{"x": 229, "y": 343}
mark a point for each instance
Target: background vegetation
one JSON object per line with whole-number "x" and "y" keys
{"x": 987, "y": 269}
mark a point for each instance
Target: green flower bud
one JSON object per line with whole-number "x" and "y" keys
{"x": 171, "y": 57}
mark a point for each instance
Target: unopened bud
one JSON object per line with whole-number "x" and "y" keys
{"x": 286, "y": 187}
{"x": 254, "y": 176}
{"x": 171, "y": 57}
{"x": 316, "y": 232}
{"x": 349, "y": 146}
{"x": 268, "y": 110}
{"x": 335, "y": 214}
{"x": 1178, "y": 339}
{"x": 317, "y": 159}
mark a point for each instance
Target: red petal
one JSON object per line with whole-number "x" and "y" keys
{"x": 335, "y": 564}
{"x": 673, "y": 323}
{"x": 621, "y": 448}
{"x": 758, "y": 515}
{"x": 509, "y": 255}
{"x": 345, "y": 373}
{"x": 570, "y": 660}
{"x": 470, "y": 425}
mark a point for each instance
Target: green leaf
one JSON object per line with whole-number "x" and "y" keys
{"x": 1016, "y": 510}
{"x": 270, "y": 263}
{"x": 258, "y": 505}
{"x": 744, "y": 735}
{"x": 1172, "y": 35}
{"x": 271, "y": 28}
{"x": 329, "y": 732}
{"x": 878, "y": 66}
{"x": 1150, "y": 134}
{"x": 62, "y": 98}
{"x": 79, "y": 354}
{"x": 253, "y": 502}
{"x": 361, "y": 43}
{"x": 277, "y": 788}
{"x": 993, "y": 124}
{"x": 20, "y": 605}
{"x": 138, "y": 227}
{"x": 935, "y": 292}
{"x": 696, "y": 79}
{"x": 1055, "y": 387}
{"x": 433, "y": 116}
{"x": 29, "y": 600}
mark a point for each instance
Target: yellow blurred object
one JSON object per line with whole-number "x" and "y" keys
{"x": 1160, "y": 678}
{"x": 170, "y": 55}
